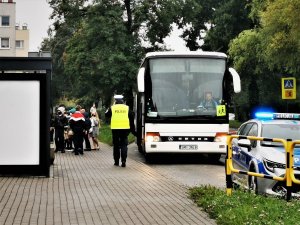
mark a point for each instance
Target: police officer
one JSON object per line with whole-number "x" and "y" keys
{"x": 122, "y": 122}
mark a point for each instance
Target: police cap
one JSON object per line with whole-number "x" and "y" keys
{"x": 118, "y": 97}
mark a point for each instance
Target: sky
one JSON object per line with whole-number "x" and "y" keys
{"x": 36, "y": 14}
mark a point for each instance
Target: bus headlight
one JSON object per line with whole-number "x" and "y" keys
{"x": 152, "y": 137}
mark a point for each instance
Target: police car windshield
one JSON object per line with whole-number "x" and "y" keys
{"x": 282, "y": 131}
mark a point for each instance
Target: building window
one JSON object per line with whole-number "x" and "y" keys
{"x": 24, "y": 26}
{"x": 19, "y": 44}
{"x": 4, "y": 21}
{"x": 4, "y": 42}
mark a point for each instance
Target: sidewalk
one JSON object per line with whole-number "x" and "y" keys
{"x": 89, "y": 190}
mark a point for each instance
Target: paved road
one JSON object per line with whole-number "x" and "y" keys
{"x": 89, "y": 190}
{"x": 187, "y": 169}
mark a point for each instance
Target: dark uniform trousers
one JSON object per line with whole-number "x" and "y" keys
{"x": 59, "y": 139}
{"x": 78, "y": 141}
{"x": 120, "y": 141}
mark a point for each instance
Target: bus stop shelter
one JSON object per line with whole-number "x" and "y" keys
{"x": 25, "y": 116}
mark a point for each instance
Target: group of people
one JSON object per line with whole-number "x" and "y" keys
{"x": 73, "y": 128}
{"x": 80, "y": 127}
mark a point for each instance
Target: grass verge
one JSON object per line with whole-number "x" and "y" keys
{"x": 105, "y": 135}
{"x": 244, "y": 207}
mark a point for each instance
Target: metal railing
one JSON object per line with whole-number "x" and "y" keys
{"x": 289, "y": 177}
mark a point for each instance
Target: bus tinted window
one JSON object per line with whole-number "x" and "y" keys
{"x": 181, "y": 85}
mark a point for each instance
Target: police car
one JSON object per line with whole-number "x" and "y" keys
{"x": 266, "y": 157}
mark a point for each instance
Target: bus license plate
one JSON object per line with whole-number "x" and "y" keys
{"x": 188, "y": 147}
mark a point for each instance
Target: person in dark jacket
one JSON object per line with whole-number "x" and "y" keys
{"x": 60, "y": 122}
{"x": 77, "y": 124}
{"x": 122, "y": 123}
{"x": 86, "y": 134}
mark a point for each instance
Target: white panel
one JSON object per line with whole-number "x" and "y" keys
{"x": 186, "y": 129}
{"x": 19, "y": 122}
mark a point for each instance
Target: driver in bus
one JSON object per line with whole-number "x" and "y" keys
{"x": 209, "y": 102}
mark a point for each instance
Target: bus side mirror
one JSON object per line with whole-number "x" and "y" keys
{"x": 236, "y": 80}
{"x": 141, "y": 80}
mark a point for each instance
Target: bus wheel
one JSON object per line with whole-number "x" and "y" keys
{"x": 214, "y": 157}
{"x": 140, "y": 148}
{"x": 149, "y": 158}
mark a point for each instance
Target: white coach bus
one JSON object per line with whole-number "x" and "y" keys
{"x": 170, "y": 114}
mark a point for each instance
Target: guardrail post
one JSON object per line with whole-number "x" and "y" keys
{"x": 289, "y": 169}
{"x": 229, "y": 169}
{"x": 229, "y": 183}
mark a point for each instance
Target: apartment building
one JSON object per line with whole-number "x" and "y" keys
{"x": 14, "y": 39}
{"x": 22, "y": 40}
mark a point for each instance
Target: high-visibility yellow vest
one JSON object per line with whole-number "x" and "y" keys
{"x": 119, "y": 118}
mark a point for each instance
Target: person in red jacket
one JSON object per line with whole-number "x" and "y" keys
{"x": 78, "y": 126}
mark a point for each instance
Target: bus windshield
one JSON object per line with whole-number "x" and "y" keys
{"x": 184, "y": 87}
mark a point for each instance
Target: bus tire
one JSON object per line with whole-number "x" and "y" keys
{"x": 214, "y": 157}
{"x": 140, "y": 148}
{"x": 149, "y": 158}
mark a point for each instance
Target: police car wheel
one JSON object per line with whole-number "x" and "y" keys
{"x": 252, "y": 184}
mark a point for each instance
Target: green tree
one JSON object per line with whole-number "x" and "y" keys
{"x": 101, "y": 44}
{"x": 194, "y": 20}
{"x": 228, "y": 19}
{"x": 244, "y": 51}
{"x": 67, "y": 15}
{"x": 264, "y": 54}
{"x": 101, "y": 57}
{"x": 280, "y": 28}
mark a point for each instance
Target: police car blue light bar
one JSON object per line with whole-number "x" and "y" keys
{"x": 269, "y": 115}
{"x": 295, "y": 116}
{"x": 264, "y": 115}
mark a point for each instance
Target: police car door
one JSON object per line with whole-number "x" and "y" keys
{"x": 242, "y": 155}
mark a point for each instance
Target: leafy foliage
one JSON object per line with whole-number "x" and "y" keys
{"x": 101, "y": 54}
{"x": 98, "y": 45}
{"x": 265, "y": 54}
{"x": 280, "y": 27}
{"x": 228, "y": 20}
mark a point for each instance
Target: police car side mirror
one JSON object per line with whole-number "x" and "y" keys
{"x": 245, "y": 143}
